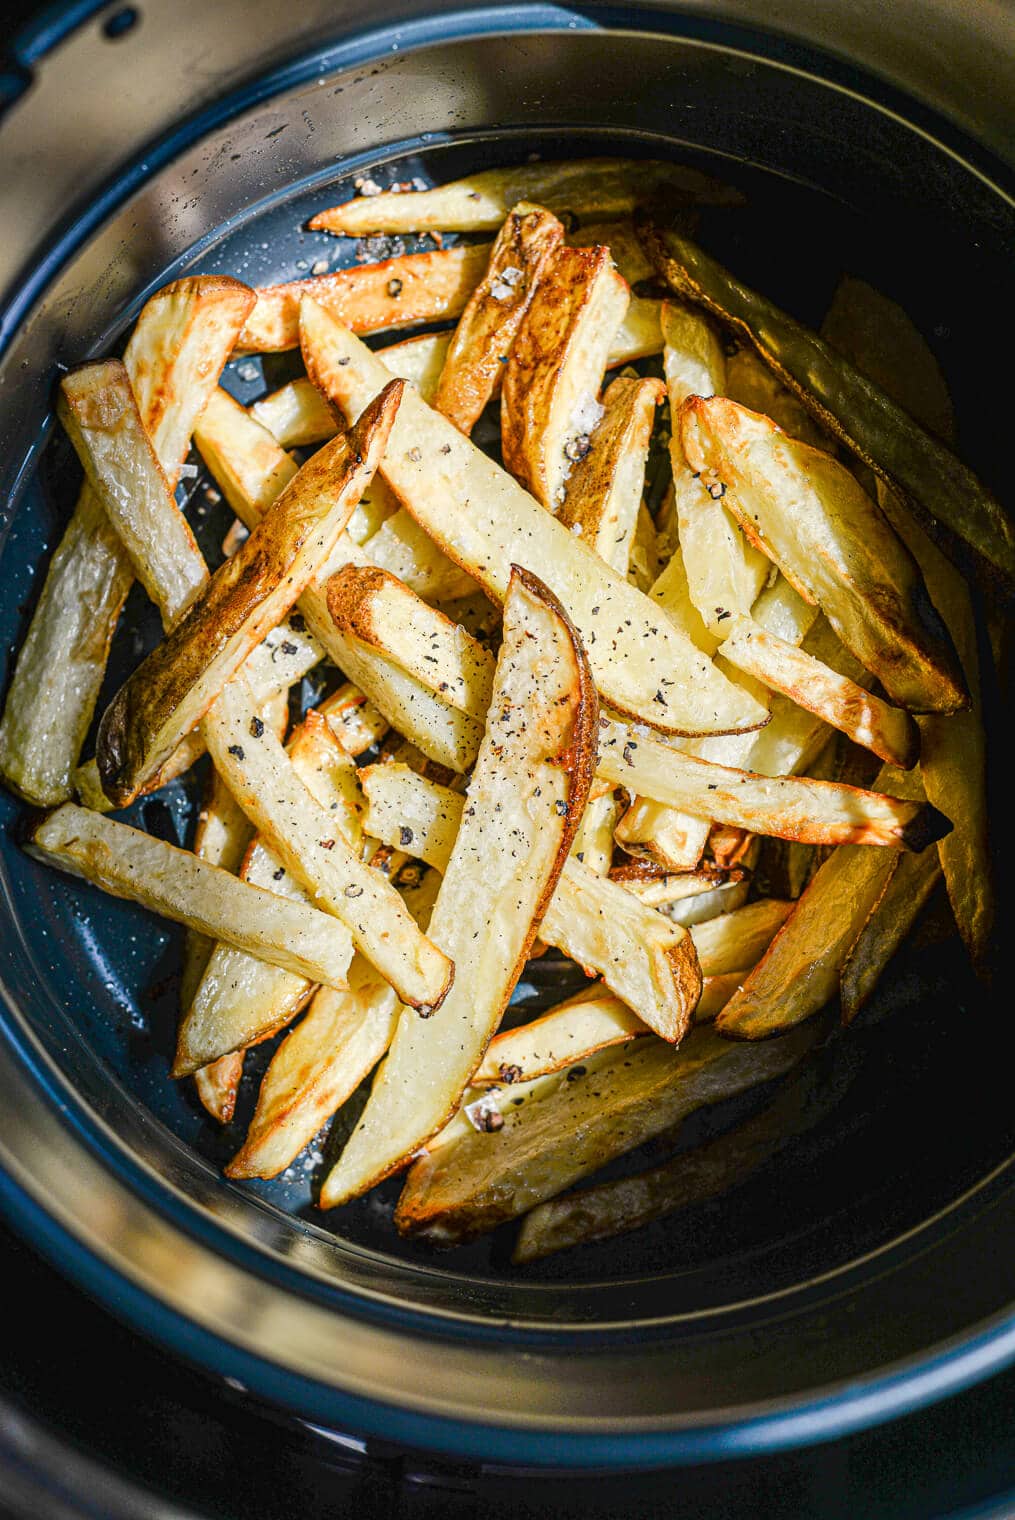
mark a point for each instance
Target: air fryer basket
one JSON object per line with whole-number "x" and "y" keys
{"x": 861, "y": 1271}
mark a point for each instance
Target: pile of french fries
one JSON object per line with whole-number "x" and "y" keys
{"x": 559, "y": 715}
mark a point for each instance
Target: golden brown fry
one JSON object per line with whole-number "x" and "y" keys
{"x": 354, "y": 719}
{"x": 483, "y": 519}
{"x": 575, "y": 1029}
{"x": 729, "y": 942}
{"x": 418, "y": 287}
{"x": 604, "y": 492}
{"x": 487, "y": 327}
{"x": 751, "y": 383}
{"x": 316, "y": 1068}
{"x": 850, "y": 406}
{"x": 296, "y": 415}
{"x": 889, "y": 732}
{"x": 586, "y": 188}
{"x": 527, "y": 794}
{"x": 800, "y": 971}
{"x": 626, "y": 1096}
{"x": 791, "y": 807}
{"x": 555, "y": 368}
{"x": 904, "y": 898}
{"x": 218, "y": 1085}
{"x": 809, "y": 514}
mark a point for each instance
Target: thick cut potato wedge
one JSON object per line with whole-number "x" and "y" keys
{"x": 527, "y": 794}
{"x": 626, "y": 1096}
{"x": 725, "y": 573}
{"x": 555, "y": 367}
{"x": 888, "y": 731}
{"x": 731, "y": 941}
{"x": 485, "y": 521}
{"x": 182, "y": 339}
{"x": 271, "y": 793}
{"x": 218, "y": 1086}
{"x": 374, "y": 607}
{"x": 604, "y": 493}
{"x": 642, "y": 957}
{"x": 584, "y": 188}
{"x": 750, "y": 383}
{"x": 693, "y": 1176}
{"x": 221, "y": 838}
{"x": 844, "y": 401}
{"x": 371, "y": 298}
{"x": 240, "y": 999}
{"x": 248, "y": 595}
{"x": 584, "y": 1024}
{"x": 175, "y": 884}
{"x": 316, "y": 1068}
{"x": 593, "y": 843}
{"x": 354, "y": 720}
{"x": 790, "y": 807}
{"x": 800, "y": 970}
{"x": 832, "y": 543}
{"x": 97, "y": 408}
{"x": 624, "y": 245}
{"x": 522, "y": 253}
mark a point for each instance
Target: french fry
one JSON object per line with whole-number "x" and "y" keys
{"x": 555, "y": 368}
{"x": 482, "y": 519}
{"x": 604, "y": 492}
{"x": 626, "y": 1096}
{"x": 800, "y": 970}
{"x": 175, "y": 884}
{"x": 834, "y": 546}
{"x": 240, "y": 999}
{"x": 725, "y": 572}
{"x": 593, "y": 843}
{"x": 355, "y": 720}
{"x": 904, "y": 898}
{"x": 586, "y": 188}
{"x": 791, "y": 807}
{"x": 316, "y": 1068}
{"x": 750, "y": 383}
{"x": 643, "y": 958}
{"x": 887, "y": 731}
{"x": 526, "y": 796}
{"x": 175, "y": 686}
{"x": 584, "y": 1024}
{"x": 97, "y": 408}
{"x": 843, "y": 400}
{"x": 218, "y": 1086}
{"x": 374, "y": 607}
{"x": 176, "y": 352}
{"x": 707, "y": 1171}
{"x": 221, "y": 838}
{"x": 521, "y": 255}
{"x": 624, "y": 244}
{"x": 272, "y": 794}
{"x": 880, "y": 339}
{"x": 418, "y": 287}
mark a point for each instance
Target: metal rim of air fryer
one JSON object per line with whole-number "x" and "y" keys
{"x": 209, "y": 1284}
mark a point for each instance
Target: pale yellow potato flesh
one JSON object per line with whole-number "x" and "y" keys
{"x": 627, "y": 1095}
{"x": 643, "y": 958}
{"x": 181, "y": 341}
{"x": 175, "y": 884}
{"x": 751, "y": 383}
{"x": 593, "y": 843}
{"x": 790, "y": 807}
{"x": 245, "y": 599}
{"x": 522, "y": 253}
{"x": 354, "y": 720}
{"x": 296, "y": 415}
{"x": 729, "y": 942}
{"x": 239, "y": 998}
{"x": 812, "y": 517}
{"x": 97, "y": 408}
{"x": 277, "y": 801}
{"x": 527, "y": 793}
{"x": 555, "y": 369}
{"x": 587, "y": 188}
{"x": 889, "y": 732}
{"x": 317, "y": 1067}
{"x": 653, "y": 671}
{"x": 577, "y": 1028}
{"x": 417, "y": 287}
{"x": 604, "y": 492}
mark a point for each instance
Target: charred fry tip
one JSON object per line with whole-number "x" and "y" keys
{"x": 926, "y": 827}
